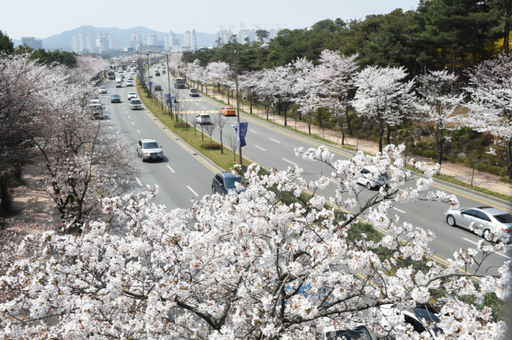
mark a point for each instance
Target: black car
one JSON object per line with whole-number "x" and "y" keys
{"x": 158, "y": 88}
{"x": 223, "y": 182}
{"x": 115, "y": 98}
{"x": 157, "y": 73}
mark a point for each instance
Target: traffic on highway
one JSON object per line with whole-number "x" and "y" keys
{"x": 183, "y": 175}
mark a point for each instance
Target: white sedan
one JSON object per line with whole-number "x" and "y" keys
{"x": 102, "y": 89}
{"x": 129, "y": 83}
{"x": 132, "y": 95}
{"x": 367, "y": 178}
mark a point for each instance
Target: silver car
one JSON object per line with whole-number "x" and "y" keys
{"x": 489, "y": 218}
{"x": 366, "y": 178}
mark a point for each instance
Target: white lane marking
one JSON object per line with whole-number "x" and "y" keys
{"x": 476, "y": 243}
{"x": 171, "y": 169}
{"x": 253, "y": 131}
{"x": 274, "y": 140}
{"x": 138, "y": 181}
{"x": 189, "y": 188}
{"x": 403, "y": 212}
{"x": 133, "y": 123}
{"x": 259, "y": 147}
{"x": 138, "y": 131}
{"x": 284, "y": 159}
{"x": 129, "y": 117}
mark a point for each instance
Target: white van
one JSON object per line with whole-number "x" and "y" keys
{"x": 203, "y": 118}
{"x": 119, "y": 82}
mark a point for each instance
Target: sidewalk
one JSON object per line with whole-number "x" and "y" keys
{"x": 459, "y": 172}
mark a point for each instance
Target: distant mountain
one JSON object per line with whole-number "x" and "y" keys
{"x": 63, "y": 40}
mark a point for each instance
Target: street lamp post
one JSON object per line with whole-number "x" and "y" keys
{"x": 169, "y": 84}
{"x": 264, "y": 46}
{"x": 147, "y": 85}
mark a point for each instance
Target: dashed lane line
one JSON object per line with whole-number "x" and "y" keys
{"x": 138, "y": 181}
{"x": 189, "y": 188}
{"x": 284, "y": 159}
{"x": 171, "y": 169}
{"x": 259, "y": 147}
{"x": 275, "y": 140}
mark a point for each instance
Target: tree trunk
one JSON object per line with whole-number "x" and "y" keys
{"x": 340, "y": 123}
{"x": 388, "y": 134}
{"x": 5, "y": 198}
{"x": 381, "y": 133}
{"x": 509, "y": 159}
{"x": 348, "y": 123}
{"x": 319, "y": 117}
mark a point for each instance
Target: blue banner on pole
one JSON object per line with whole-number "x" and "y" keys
{"x": 149, "y": 84}
{"x": 243, "y": 132}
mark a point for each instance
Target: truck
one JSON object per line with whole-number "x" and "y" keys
{"x": 179, "y": 83}
{"x": 111, "y": 74}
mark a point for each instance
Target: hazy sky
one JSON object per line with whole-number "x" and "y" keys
{"x": 44, "y": 18}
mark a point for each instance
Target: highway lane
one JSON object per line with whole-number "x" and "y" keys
{"x": 272, "y": 146}
{"x": 182, "y": 176}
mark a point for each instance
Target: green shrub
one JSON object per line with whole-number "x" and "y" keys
{"x": 492, "y": 169}
{"x": 427, "y": 153}
{"x": 181, "y": 125}
{"x": 211, "y": 146}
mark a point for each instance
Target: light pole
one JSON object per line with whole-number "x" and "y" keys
{"x": 264, "y": 46}
{"x": 147, "y": 85}
{"x": 169, "y": 83}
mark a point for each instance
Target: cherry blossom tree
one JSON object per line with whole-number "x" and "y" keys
{"x": 20, "y": 79}
{"x": 337, "y": 76}
{"x": 248, "y": 83}
{"x": 437, "y": 101}
{"x": 383, "y": 96}
{"x": 306, "y": 89}
{"x": 490, "y": 87}
{"x": 249, "y": 266}
{"x": 83, "y": 159}
{"x": 277, "y": 84}
{"x": 219, "y": 73}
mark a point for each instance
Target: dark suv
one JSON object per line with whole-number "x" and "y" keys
{"x": 115, "y": 98}
{"x": 224, "y": 182}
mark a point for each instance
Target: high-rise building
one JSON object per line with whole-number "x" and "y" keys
{"x": 105, "y": 42}
{"x": 246, "y": 36}
{"x": 83, "y": 43}
{"x": 136, "y": 37}
{"x": 112, "y": 41}
{"x": 152, "y": 39}
{"x": 223, "y": 37}
{"x": 189, "y": 41}
{"x": 169, "y": 41}
{"x": 32, "y": 42}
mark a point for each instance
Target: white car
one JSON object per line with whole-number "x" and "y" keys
{"x": 130, "y": 77}
{"x": 102, "y": 89}
{"x": 135, "y": 104}
{"x": 203, "y": 118}
{"x": 129, "y": 83}
{"x": 132, "y": 95}
{"x": 369, "y": 181}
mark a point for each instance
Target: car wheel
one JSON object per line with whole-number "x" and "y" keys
{"x": 487, "y": 235}
{"x": 213, "y": 190}
{"x": 368, "y": 186}
{"x": 451, "y": 221}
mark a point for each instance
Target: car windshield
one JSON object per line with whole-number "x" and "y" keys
{"x": 115, "y": 96}
{"x": 193, "y": 90}
{"x": 504, "y": 218}
{"x": 358, "y": 333}
{"x": 135, "y": 101}
{"x": 102, "y": 87}
{"x": 230, "y": 182}
{"x": 150, "y": 145}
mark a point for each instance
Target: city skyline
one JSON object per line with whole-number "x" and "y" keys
{"x": 43, "y": 19}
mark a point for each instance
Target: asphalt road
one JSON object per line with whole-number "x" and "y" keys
{"x": 272, "y": 146}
